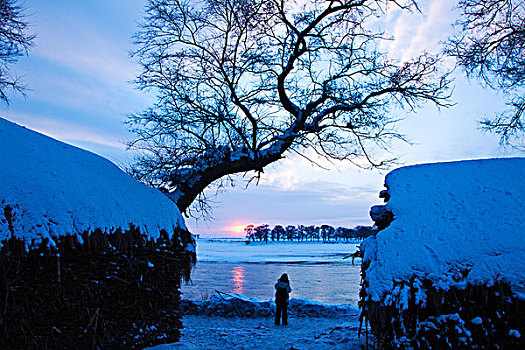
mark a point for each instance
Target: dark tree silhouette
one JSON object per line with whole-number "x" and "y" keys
{"x": 364, "y": 231}
{"x": 327, "y": 232}
{"x": 343, "y": 233}
{"x": 261, "y": 232}
{"x": 242, "y": 83}
{"x": 303, "y": 232}
{"x": 14, "y": 43}
{"x": 278, "y": 233}
{"x": 249, "y": 232}
{"x": 491, "y": 47}
{"x": 312, "y": 232}
{"x": 290, "y": 232}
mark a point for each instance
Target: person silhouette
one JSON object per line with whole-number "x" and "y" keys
{"x": 282, "y": 296}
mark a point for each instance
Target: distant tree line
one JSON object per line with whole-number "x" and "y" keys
{"x": 326, "y": 233}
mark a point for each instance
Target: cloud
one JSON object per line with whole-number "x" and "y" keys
{"x": 84, "y": 39}
{"x": 338, "y": 206}
{"x": 79, "y": 73}
{"x": 296, "y": 197}
{"x": 80, "y": 59}
{"x": 85, "y": 94}
{"x": 67, "y": 132}
{"x": 284, "y": 180}
{"x": 418, "y": 32}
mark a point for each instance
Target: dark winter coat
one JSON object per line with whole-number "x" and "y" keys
{"x": 287, "y": 287}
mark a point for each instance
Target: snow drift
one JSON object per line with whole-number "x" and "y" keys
{"x": 234, "y": 304}
{"x": 454, "y": 251}
{"x": 51, "y": 189}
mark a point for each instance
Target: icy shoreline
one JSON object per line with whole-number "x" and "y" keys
{"x": 234, "y": 304}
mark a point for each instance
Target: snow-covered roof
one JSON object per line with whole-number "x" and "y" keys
{"x": 454, "y": 223}
{"x": 49, "y": 189}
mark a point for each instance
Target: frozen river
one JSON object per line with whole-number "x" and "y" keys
{"x": 317, "y": 271}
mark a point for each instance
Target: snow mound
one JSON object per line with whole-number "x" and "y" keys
{"x": 234, "y": 304}
{"x": 50, "y": 189}
{"x": 454, "y": 223}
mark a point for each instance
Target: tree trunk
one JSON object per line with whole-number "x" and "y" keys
{"x": 190, "y": 182}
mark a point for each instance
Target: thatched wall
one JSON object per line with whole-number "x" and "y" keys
{"x": 110, "y": 291}
{"x": 420, "y": 316}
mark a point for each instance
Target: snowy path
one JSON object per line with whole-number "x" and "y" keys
{"x": 303, "y": 333}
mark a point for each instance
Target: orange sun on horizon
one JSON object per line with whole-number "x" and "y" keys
{"x": 237, "y": 230}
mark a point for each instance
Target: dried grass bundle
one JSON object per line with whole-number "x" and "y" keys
{"x": 484, "y": 316}
{"x": 103, "y": 290}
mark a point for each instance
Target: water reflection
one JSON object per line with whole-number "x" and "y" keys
{"x": 238, "y": 279}
{"x": 332, "y": 283}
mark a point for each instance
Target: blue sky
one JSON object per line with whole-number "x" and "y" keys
{"x": 79, "y": 75}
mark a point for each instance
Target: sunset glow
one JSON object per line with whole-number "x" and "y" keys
{"x": 235, "y": 230}
{"x": 238, "y": 229}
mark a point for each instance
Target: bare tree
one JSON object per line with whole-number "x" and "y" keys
{"x": 491, "y": 47}
{"x": 14, "y": 43}
{"x": 242, "y": 83}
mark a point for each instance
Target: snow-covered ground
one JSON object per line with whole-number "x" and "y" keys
{"x": 237, "y": 251}
{"x": 306, "y": 333}
{"x": 312, "y": 326}
{"x": 49, "y": 189}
